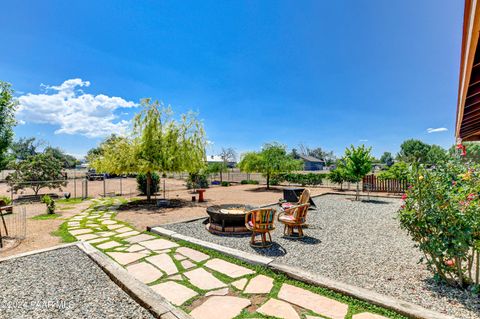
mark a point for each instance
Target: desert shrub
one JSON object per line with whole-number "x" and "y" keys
{"x": 197, "y": 180}
{"x": 249, "y": 181}
{"x": 142, "y": 183}
{"x": 47, "y": 200}
{"x": 225, "y": 184}
{"x": 442, "y": 214}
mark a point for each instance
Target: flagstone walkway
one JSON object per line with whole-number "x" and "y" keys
{"x": 203, "y": 286}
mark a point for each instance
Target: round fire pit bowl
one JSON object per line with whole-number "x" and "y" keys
{"x": 228, "y": 219}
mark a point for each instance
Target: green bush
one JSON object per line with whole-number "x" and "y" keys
{"x": 225, "y": 184}
{"x": 311, "y": 179}
{"x": 197, "y": 180}
{"x": 7, "y": 200}
{"x": 249, "y": 181}
{"x": 47, "y": 200}
{"x": 142, "y": 183}
{"x": 442, "y": 214}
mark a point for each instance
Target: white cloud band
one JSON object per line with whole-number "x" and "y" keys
{"x": 436, "y": 130}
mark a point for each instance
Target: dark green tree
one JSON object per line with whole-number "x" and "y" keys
{"x": 387, "y": 159}
{"x": 413, "y": 151}
{"x": 8, "y": 105}
{"x": 68, "y": 161}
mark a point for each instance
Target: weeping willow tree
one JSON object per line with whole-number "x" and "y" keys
{"x": 157, "y": 143}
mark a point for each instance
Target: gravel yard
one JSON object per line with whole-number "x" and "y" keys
{"x": 62, "y": 283}
{"x": 359, "y": 243}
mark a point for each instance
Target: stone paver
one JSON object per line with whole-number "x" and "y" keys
{"x": 86, "y": 236}
{"x": 322, "y": 305}
{"x": 123, "y": 229}
{"x": 174, "y": 292}
{"x": 203, "y": 279}
{"x": 259, "y": 285}
{"x": 179, "y": 257}
{"x": 106, "y": 234}
{"x": 368, "y": 315}
{"x": 218, "y": 292}
{"x": 229, "y": 269}
{"x": 220, "y": 307}
{"x": 109, "y": 222}
{"x": 139, "y": 238}
{"x": 194, "y": 255}
{"x": 240, "y": 284}
{"x": 127, "y": 234}
{"x": 112, "y": 227}
{"x": 187, "y": 264}
{"x": 80, "y": 231}
{"x": 134, "y": 248}
{"x": 164, "y": 262}
{"x": 97, "y": 240}
{"x": 109, "y": 244}
{"x": 176, "y": 277}
{"x": 158, "y": 244}
{"x": 144, "y": 272}
{"x": 125, "y": 258}
{"x": 278, "y": 308}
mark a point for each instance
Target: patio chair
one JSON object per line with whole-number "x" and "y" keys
{"x": 261, "y": 222}
{"x": 303, "y": 199}
{"x": 294, "y": 218}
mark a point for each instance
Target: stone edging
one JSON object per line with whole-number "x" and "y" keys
{"x": 402, "y": 307}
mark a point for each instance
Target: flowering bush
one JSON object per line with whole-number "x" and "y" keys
{"x": 441, "y": 212}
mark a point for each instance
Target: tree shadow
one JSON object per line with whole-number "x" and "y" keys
{"x": 305, "y": 240}
{"x": 441, "y": 290}
{"x": 264, "y": 190}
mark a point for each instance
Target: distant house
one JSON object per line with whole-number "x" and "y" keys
{"x": 311, "y": 163}
{"x": 218, "y": 159}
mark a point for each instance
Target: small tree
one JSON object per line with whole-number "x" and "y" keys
{"x": 357, "y": 164}
{"x": 158, "y": 143}
{"x": 37, "y": 172}
{"x": 338, "y": 176}
{"x": 217, "y": 168}
{"x": 387, "y": 159}
{"x": 8, "y": 105}
{"x": 272, "y": 160}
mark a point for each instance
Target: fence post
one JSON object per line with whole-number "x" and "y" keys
{"x": 121, "y": 192}
{"x": 74, "y": 183}
{"x": 104, "y": 187}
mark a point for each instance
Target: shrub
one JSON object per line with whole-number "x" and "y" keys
{"x": 442, "y": 214}
{"x": 249, "y": 181}
{"x": 142, "y": 183}
{"x": 47, "y": 200}
{"x": 197, "y": 180}
{"x": 312, "y": 179}
{"x": 225, "y": 184}
{"x": 7, "y": 200}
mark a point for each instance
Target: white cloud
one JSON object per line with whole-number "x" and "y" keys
{"x": 363, "y": 140}
{"x": 436, "y": 130}
{"x": 74, "y": 111}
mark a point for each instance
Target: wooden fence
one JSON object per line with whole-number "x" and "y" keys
{"x": 372, "y": 183}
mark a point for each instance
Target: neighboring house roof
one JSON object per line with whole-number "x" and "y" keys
{"x": 215, "y": 159}
{"x": 311, "y": 159}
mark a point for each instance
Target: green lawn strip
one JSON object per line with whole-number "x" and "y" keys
{"x": 46, "y": 216}
{"x": 77, "y": 200}
{"x": 64, "y": 234}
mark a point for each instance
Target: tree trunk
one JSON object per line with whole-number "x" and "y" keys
{"x": 268, "y": 181}
{"x": 358, "y": 191}
{"x": 149, "y": 184}
{"x": 221, "y": 176}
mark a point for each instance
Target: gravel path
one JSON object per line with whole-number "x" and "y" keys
{"x": 359, "y": 243}
{"x": 63, "y": 283}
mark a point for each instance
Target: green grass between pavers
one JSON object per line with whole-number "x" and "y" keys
{"x": 65, "y": 207}
{"x": 64, "y": 234}
{"x": 46, "y": 216}
{"x": 355, "y": 305}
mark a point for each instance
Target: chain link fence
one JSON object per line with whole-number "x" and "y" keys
{"x": 13, "y": 226}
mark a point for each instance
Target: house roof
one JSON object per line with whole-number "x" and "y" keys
{"x": 311, "y": 159}
{"x": 468, "y": 106}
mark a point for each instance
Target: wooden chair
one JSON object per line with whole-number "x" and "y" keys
{"x": 261, "y": 222}
{"x": 303, "y": 199}
{"x": 294, "y": 217}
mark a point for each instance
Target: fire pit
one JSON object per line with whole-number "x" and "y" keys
{"x": 228, "y": 219}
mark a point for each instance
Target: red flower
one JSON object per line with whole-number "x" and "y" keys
{"x": 404, "y": 196}
{"x": 454, "y": 183}
{"x": 471, "y": 196}
{"x": 402, "y": 207}
{"x": 460, "y": 146}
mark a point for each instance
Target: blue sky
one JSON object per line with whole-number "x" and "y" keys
{"x": 321, "y": 73}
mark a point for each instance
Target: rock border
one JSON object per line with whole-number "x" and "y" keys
{"x": 402, "y": 307}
